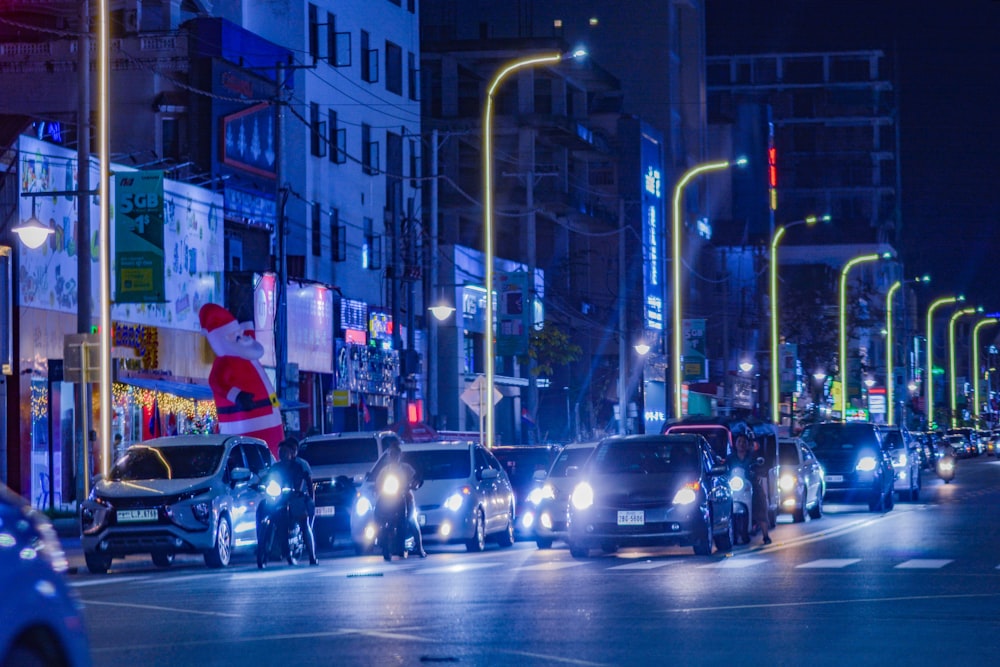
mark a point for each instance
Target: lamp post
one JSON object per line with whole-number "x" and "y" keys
{"x": 104, "y": 187}
{"x": 952, "y": 382}
{"x": 775, "y": 375}
{"x": 975, "y": 362}
{"x": 890, "y": 375}
{"x": 487, "y": 167}
{"x": 842, "y": 360}
{"x": 676, "y": 362}
{"x": 943, "y": 301}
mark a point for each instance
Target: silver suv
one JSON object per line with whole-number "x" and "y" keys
{"x": 902, "y": 448}
{"x": 184, "y": 494}
{"x": 339, "y": 462}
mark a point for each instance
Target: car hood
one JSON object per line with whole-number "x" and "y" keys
{"x": 436, "y": 491}
{"x": 640, "y": 488}
{"x": 844, "y": 461}
{"x": 150, "y": 488}
{"x": 351, "y": 470}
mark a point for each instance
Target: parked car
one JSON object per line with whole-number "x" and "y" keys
{"x": 855, "y": 464}
{"x": 464, "y": 497}
{"x": 521, "y": 462}
{"x": 42, "y": 619}
{"x": 651, "y": 490}
{"x": 548, "y": 502}
{"x": 339, "y": 462}
{"x": 905, "y": 461}
{"x": 800, "y": 480}
{"x": 182, "y": 494}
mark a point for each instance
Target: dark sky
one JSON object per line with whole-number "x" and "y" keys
{"x": 949, "y": 87}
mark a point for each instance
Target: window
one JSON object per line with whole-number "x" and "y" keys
{"x": 369, "y": 151}
{"x": 317, "y": 131}
{"x": 369, "y": 59}
{"x": 412, "y": 77}
{"x": 338, "y": 237}
{"x": 314, "y": 32}
{"x": 414, "y": 163}
{"x": 393, "y": 68}
{"x": 371, "y": 252}
{"x": 338, "y": 139}
{"x": 170, "y": 138}
{"x": 338, "y": 44}
{"x": 393, "y": 164}
{"x": 315, "y": 232}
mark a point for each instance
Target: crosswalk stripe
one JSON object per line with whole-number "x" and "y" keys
{"x": 454, "y": 569}
{"x": 735, "y": 563}
{"x": 643, "y": 565}
{"x": 923, "y": 564}
{"x": 824, "y": 563}
{"x": 105, "y": 580}
{"x": 552, "y": 565}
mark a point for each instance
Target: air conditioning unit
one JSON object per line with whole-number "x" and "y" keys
{"x": 130, "y": 19}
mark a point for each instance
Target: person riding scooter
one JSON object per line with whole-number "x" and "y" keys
{"x": 753, "y": 471}
{"x": 295, "y": 474}
{"x": 407, "y": 477}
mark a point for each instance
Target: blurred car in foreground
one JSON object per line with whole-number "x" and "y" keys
{"x": 464, "y": 497}
{"x": 905, "y": 461}
{"x": 183, "y": 494}
{"x": 521, "y": 462}
{"x": 800, "y": 480}
{"x": 855, "y": 464}
{"x": 641, "y": 490}
{"x": 40, "y": 619}
{"x": 339, "y": 462}
{"x": 548, "y": 503}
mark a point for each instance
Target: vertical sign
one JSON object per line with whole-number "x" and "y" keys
{"x": 514, "y": 312}
{"x": 652, "y": 229}
{"x": 695, "y": 366}
{"x": 788, "y": 360}
{"x": 139, "y": 237}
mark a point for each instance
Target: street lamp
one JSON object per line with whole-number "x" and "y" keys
{"x": 842, "y": 361}
{"x": 890, "y": 379}
{"x": 943, "y": 301}
{"x": 975, "y": 360}
{"x": 675, "y": 362}
{"x": 487, "y": 157}
{"x": 778, "y": 234}
{"x": 951, "y": 358}
{"x": 32, "y": 232}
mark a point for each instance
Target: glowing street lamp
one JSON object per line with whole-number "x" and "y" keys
{"x": 943, "y": 301}
{"x": 778, "y": 234}
{"x": 676, "y": 259}
{"x": 487, "y": 157}
{"x": 842, "y": 361}
{"x": 890, "y": 375}
{"x": 951, "y": 358}
{"x": 975, "y": 360}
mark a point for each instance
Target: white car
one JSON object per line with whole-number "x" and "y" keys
{"x": 185, "y": 494}
{"x": 465, "y": 496}
{"x": 42, "y": 623}
{"x": 905, "y": 461}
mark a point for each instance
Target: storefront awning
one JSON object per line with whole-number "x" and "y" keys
{"x": 176, "y": 387}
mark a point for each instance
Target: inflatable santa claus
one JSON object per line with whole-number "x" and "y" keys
{"x": 244, "y": 397}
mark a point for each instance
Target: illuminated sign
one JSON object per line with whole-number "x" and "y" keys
{"x": 353, "y": 315}
{"x": 704, "y": 228}
{"x": 653, "y": 182}
{"x": 772, "y": 168}
{"x": 650, "y": 173}
{"x": 379, "y": 326}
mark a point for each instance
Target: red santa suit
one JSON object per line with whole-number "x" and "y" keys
{"x": 244, "y": 397}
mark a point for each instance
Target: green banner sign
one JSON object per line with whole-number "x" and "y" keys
{"x": 695, "y": 367}
{"x": 513, "y": 312}
{"x": 139, "y": 237}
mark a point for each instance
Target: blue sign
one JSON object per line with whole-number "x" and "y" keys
{"x": 651, "y": 170}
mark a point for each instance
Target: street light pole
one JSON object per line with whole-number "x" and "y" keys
{"x": 952, "y": 382}
{"x": 842, "y": 361}
{"x": 104, "y": 148}
{"x": 975, "y": 362}
{"x": 488, "y": 251}
{"x": 779, "y": 233}
{"x": 675, "y": 362}
{"x": 890, "y": 375}
{"x": 943, "y": 301}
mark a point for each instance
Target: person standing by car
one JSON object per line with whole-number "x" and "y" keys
{"x": 297, "y": 473}
{"x": 396, "y": 465}
{"x": 757, "y": 475}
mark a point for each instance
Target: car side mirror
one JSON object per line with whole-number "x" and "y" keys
{"x": 719, "y": 470}
{"x": 240, "y": 476}
{"x": 489, "y": 473}
{"x": 539, "y": 476}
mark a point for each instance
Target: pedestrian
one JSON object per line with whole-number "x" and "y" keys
{"x": 758, "y": 476}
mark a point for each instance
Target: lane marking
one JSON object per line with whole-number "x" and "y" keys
{"x": 643, "y": 565}
{"x": 551, "y": 565}
{"x": 454, "y": 569}
{"x": 735, "y": 563}
{"x": 924, "y": 564}
{"x": 823, "y": 563}
{"x": 817, "y": 603}
{"x": 153, "y": 607}
{"x": 106, "y": 581}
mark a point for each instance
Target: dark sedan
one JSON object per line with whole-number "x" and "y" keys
{"x": 651, "y": 490}
{"x": 855, "y": 463}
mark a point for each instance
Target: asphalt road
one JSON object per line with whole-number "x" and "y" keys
{"x": 919, "y": 585}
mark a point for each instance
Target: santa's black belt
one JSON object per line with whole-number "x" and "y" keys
{"x": 233, "y": 409}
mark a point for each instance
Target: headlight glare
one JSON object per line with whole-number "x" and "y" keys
{"x": 866, "y": 464}
{"x": 583, "y": 496}
{"x": 454, "y": 502}
{"x": 362, "y": 506}
{"x": 787, "y": 482}
{"x": 736, "y": 483}
{"x": 685, "y": 496}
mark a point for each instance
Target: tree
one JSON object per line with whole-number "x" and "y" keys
{"x": 549, "y": 347}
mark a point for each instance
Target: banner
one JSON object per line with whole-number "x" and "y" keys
{"x": 139, "y": 237}
{"x": 513, "y": 312}
{"x": 695, "y": 367}
{"x": 788, "y": 358}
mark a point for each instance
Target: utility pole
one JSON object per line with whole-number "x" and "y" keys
{"x": 622, "y": 320}
{"x": 281, "y": 199}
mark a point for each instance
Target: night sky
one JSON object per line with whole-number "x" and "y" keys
{"x": 949, "y": 85}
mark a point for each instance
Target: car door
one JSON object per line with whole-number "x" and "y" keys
{"x": 503, "y": 492}
{"x": 485, "y": 485}
{"x": 812, "y": 474}
{"x": 246, "y": 495}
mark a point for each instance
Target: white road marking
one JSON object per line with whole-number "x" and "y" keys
{"x": 152, "y": 607}
{"x": 552, "y": 565}
{"x": 643, "y": 565}
{"x": 924, "y": 564}
{"x": 101, "y": 581}
{"x": 454, "y": 569}
{"x": 735, "y": 563}
{"x": 824, "y": 563}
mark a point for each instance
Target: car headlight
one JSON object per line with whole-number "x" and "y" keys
{"x": 273, "y": 489}
{"x": 686, "y": 495}
{"x": 866, "y": 464}
{"x": 454, "y": 502}
{"x": 736, "y": 483}
{"x": 540, "y": 493}
{"x": 787, "y": 482}
{"x": 390, "y": 485}
{"x": 202, "y": 511}
{"x": 362, "y": 506}
{"x": 583, "y": 496}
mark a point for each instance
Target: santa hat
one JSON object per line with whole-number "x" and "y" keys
{"x": 216, "y": 321}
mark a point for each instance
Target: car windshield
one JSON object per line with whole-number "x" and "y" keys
{"x": 569, "y": 458}
{"x": 788, "y": 454}
{"x": 440, "y": 463}
{"x": 838, "y": 437}
{"x": 645, "y": 457}
{"x": 339, "y": 451}
{"x": 183, "y": 462}
{"x": 522, "y": 464}
{"x": 717, "y": 436}
{"x": 893, "y": 439}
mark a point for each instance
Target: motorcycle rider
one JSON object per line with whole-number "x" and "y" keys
{"x": 743, "y": 458}
{"x": 395, "y": 464}
{"x": 298, "y": 475}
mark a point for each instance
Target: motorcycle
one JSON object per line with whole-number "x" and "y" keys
{"x": 276, "y": 519}
{"x": 392, "y": 523}
{"x": 742, "y": 504}
{"x": 946, "y": 468}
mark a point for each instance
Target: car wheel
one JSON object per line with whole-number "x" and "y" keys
{"x": 724, "y": 542}
{"x": 220, "y": 555}
{"x": 799, "y": 513}
{"x": 161, "y": 559}
{"x": 506, "y": 538}
{"x": 579, "y": 552}
{"x": 543, "y": 543}
{"x": 817, "y": 510}
{"x": 97, "y": 563}
{"x": 24, "y": 654}
{"x": 478, "y": 541}
{"x": 703, "y": 544}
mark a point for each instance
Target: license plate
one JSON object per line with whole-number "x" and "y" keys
{"x": 132, "y": 516}
{"x": 326, "y": 510}
{"x": 835, "y": 478}
{"x": 631, "y": 518}
{"x": 422, "y": 519}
